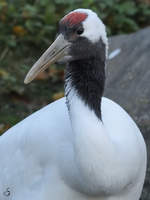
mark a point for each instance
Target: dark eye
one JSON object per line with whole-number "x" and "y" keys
{"x": 80, "y": 31}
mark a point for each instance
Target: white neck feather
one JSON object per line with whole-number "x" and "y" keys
{"x": 100, "y": 165}
{"x": 93, "y": 149}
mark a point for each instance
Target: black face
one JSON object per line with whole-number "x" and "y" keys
{"x": 82, "y": 47}
{"x": 86, "y": 69}
{"x": 71, "y": 33}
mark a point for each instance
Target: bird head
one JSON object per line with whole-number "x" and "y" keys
{"x": 81, "y": 35}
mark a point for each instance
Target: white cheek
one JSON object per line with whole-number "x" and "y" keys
{"x": 94, "y": 30}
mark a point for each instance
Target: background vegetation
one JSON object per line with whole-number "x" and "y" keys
{"x": 27, "y": 27}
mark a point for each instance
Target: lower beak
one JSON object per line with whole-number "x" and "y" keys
{"x": 55, "y": 52}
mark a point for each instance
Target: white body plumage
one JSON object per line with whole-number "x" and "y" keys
{"x": 87, "y": 149}
{"x": 42, "y": 158}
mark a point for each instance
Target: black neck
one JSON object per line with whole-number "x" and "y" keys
{"x": 88, "y": 78}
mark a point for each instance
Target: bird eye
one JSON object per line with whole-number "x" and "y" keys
{"x": 80, "y": 31}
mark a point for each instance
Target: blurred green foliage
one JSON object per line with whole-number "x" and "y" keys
{"x": 35, "y": 21}
{"x": 27, "y": 27}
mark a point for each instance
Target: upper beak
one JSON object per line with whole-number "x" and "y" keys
{"x": 57, "y": 50}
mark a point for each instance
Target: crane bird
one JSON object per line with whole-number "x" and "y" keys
{"x": 83, "y": 146}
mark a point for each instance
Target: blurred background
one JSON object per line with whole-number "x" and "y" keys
{"x": 27, "y": 28}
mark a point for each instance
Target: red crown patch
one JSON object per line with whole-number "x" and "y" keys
{"x": 74, "y": 18}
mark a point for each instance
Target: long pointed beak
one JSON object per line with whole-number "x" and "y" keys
{"x": 57, "y": 50}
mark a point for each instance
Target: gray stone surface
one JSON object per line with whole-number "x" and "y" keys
{"x": 128, "y": 83}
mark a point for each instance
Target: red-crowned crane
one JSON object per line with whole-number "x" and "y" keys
{"x": 83, "y": 146}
